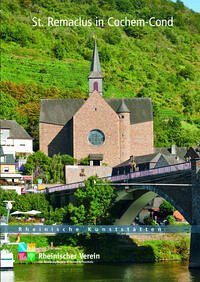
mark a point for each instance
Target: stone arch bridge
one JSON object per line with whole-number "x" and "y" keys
{"x": 178, "y": 184}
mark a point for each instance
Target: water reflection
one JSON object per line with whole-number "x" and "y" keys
{"x": 169, "y": 272}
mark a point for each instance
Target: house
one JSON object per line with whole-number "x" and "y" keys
{"x": 161, "y": 157}
{"x": 9, "y": 178}
{"x": 7, "y": 162}
{"x": 15, "y": 141}
{"x": 109, "y": 131}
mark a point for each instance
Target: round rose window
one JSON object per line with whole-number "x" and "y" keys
{"x": 96, "y": 137}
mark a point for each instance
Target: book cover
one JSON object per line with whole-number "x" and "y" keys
{"x": 100, "y": 139}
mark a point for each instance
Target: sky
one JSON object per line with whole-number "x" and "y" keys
{"x": 192, "y": 4}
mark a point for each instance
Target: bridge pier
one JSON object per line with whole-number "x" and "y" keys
{"x": 194, "y": 261}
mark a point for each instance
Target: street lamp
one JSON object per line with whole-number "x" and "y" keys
{"x": 5, "y": 239}
{"x": 8, "y": 207}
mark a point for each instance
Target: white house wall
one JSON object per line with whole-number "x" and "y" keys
{"x": 14, "y": 146}
{"x": 23, "y": 146}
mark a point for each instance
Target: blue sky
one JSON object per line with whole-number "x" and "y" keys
{"x": 192, "y": 4}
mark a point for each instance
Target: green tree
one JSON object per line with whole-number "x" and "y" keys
{"x": 68, "y": 160}
{"x": 38, "y": 202}
{"x": 188, "y": 138}
{"x": 24, "y": 203}
{"x": 77, "y": 214}
{"x": 124, "y": 5}
{"x": 59, "y": 50}
{"x": 57, "y": 215}
{"x": 160, "y": 132}
{"x": 112, "y": 36}
{"x": 166, "y": 209}
{"x": 179, "y": 5}
{"x": 9, "y": 109}
{"x": 5, "y": 196}
{"x": 56, "y": 169}
{"x": 136, "y": 32}
{"x": 92, "y": 203}
{"x": 38, "y": 164}
{"x": 94, "y": 12}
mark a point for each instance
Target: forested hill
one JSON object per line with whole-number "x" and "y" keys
{"x": 53, "y": 61}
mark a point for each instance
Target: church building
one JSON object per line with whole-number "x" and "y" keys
{"x": 105, "y": 130}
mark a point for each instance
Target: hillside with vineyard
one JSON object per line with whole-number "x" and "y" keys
{"x": 54, "y": 61}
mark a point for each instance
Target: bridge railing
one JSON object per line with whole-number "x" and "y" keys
{"x": 153, "y": 171}
{"x": 132, "y": 175}
{"x": 70, "y": 186}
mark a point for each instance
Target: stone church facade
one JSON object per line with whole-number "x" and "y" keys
{"x": 107, "y": 130}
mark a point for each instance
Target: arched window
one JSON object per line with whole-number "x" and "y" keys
{"x": 95, "y": 86}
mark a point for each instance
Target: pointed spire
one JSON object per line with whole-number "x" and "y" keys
{"x": 123, "y": 108}
{"x": 95, "y": 69}
{"x": 95, "y": 78}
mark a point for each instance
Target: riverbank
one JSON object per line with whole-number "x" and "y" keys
{"x": 107, "y": 248}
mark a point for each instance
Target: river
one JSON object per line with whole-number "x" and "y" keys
{"x": 148, "y": 272}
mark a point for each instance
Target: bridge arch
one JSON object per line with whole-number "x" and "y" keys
{"x": 150, "y": 192}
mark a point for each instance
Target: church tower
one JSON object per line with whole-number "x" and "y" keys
{"x": 95, "y": 77}
{"x": 124, "y": 131}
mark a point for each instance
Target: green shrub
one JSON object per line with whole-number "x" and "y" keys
{"x": 166, "y": 209}
{"x": 149, "y": 221}
{"x": 170, "y": 219}
{"x": 59, "y": 50}
{"x": 112, "y": 36}
{"x": 85, "y": 161}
